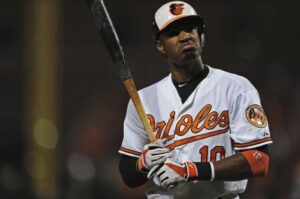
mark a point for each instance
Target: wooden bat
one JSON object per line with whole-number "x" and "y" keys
{"x": 107, "y": 31}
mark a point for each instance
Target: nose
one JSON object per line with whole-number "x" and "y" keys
{"x": 184, "y": 35}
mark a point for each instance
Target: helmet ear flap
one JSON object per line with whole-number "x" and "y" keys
{"x": 203, "y": 36}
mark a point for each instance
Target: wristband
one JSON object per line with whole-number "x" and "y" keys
{"x": 204, "y": 171}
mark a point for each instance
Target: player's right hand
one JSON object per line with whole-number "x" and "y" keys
{"x": 154, "y": 153}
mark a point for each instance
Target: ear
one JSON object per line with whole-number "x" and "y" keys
{"x": 160, "y": 47}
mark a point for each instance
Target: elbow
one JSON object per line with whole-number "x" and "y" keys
{"x": 266, "y": 167}
{"x": 130, "y": 176}
{"x": 263, "y": 171}
{"x": 265, "y": 163}
{"x": 132, "y": 183}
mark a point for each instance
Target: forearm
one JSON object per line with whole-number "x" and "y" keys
{"x": 246, "y": 164}
{"x": 240, "y": 166}
{"x": 130, "y": 175}
{"x": 234, "y": 167}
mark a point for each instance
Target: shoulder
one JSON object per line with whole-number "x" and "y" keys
{"x": 231, "y": 80}
{"x": 154, "y": 88}
{"x": 152, "y": 92}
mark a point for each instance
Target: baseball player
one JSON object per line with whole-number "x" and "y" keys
{"x": 212, "y": 132}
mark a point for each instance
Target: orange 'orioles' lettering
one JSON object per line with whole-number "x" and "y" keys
{"x": 186, "y": 121}
{"x": 205, "y": 119}
{"x": 159, "y": 126}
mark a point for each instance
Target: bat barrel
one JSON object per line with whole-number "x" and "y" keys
{"x": 109, "y": 35}
{"x": 111, "y": 40}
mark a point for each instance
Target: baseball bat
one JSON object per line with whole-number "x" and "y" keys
{"x": 111, "y": 40}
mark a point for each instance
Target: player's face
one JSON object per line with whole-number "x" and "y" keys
{"x": 181, "y": 43}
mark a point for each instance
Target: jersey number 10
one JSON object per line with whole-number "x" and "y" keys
{"x": 217, "y": 153}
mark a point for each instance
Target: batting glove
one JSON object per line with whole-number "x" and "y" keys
{"x": 154, "y": 154}
{"x": 172, "y": 173}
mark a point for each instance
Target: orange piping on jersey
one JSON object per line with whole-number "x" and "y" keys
{"x": 253, "y": 142}
{"x": 195, "y": 138}
{"x": 130, "y": 151}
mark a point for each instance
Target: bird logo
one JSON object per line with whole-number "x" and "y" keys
{"x": 176, "y": 8}
{"x": 256, "y": 116}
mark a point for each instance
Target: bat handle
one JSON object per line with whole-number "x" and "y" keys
{"x": 131, "y": 89}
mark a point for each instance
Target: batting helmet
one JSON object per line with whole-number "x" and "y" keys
{"x": 174, "y": 12}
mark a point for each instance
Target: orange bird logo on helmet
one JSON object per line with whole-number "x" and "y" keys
{"x": 176, "y": 8}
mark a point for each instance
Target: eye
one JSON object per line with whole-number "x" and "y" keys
{"x": 191, "y": 29}
{"x": 173, "y": 33}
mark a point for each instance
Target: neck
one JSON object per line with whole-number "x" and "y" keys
{"x": 186, "y": 72}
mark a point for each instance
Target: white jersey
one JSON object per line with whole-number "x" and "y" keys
{"x": 221, "y": 116}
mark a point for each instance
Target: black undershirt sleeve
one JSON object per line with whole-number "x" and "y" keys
{"x": 263, "y": 148}
{"x": 131, "y": 176}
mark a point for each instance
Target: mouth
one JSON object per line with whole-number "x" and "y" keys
{"x": 188, "y": 46}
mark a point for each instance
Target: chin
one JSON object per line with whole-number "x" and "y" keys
{"x": 190, "y": 56}
{"x": 187, "y": 58}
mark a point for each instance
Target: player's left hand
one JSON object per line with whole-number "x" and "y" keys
{"x": 172, "y": 173}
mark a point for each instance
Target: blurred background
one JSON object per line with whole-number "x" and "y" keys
{"x": 62, "y": 105}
